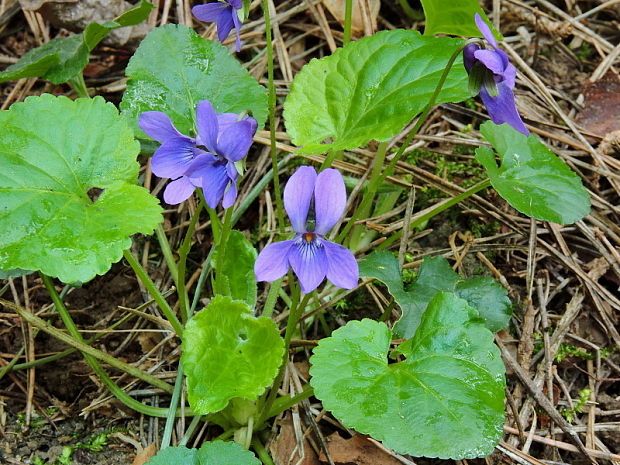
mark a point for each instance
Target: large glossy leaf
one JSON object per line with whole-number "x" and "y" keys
{"x": 455, "y": 18}
{"x": 229, "y": 353}
{"x": 210, "y": 453}
{"x": 530, "y": 177}
{"x": 445, "y": 400}
{"x": 237, "y": 278}
{"x": 63, "y": 58}
{"x": 370, "y": 89}
{"x": 436, "y": 275}
{"x": 174, "y": 68}
{"x": 55, "y": 155}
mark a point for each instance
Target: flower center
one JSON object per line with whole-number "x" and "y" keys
{"x": 309, "y": 237}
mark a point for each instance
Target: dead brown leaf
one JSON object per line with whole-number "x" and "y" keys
{"x": 284, "y": 448}
{"x": 357, "y": 450}
{"x": 146, "y": 455}
{"x": 371, "y": 8}
{"x": 601, "y": 112}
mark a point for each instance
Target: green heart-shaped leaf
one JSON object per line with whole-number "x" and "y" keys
{"x": 53, "y": 152}
{"x": 229, "y": 353}
{"x": 436, "y": 275}
{"x": 530, "y": 177}
{"x": 210, "y": 453}
{"x": 370, "y": 89}
{"x": 455, "y": 18}
{"x": 64, "y": 58}
{"x": 174, "y": 68}
{"x": 237, "y": 276}
{"x": 445, "y": 400}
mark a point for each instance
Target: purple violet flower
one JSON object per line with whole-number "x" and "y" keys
{"x": 495, "y": 76}
{"x": 206, "y": 161}
{"x": 311, "y": 256}
{"x": 224, "y": 14}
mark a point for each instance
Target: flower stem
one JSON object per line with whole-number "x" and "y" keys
{"x": 190, "y": 430}
{"x": 427, "y": 109}
{"x": 369, "y": 194}
{"x": 436, "y": 211}
{"x": 262, "y": 453}
{"x": 167, "y": 252}
{"x": 221, "y": 288}
{"x": 172, "y": 408}
{"x": 329, "y": 159}
{"x": 150, "y": 286}
{"x": 293, "y": 319}
{"x": 272, "y": 115}
{"x": 348, "y": 14}
{"x": 183, "y": 252}
{"x": 272, "y": 297}
{"x": 78, "y": 85}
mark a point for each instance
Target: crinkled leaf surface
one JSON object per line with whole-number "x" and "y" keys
{"x": 455, "y": 18}
{"x": 210, "y": 453}
{"x": 370, "y": 89}
{"x": 174, "y": 68}
{"x": 229, "y": 353}
{"x": 530, "y": 177}
{"x": 237, "y": 273}
{"x": 53, "y": 151}
{"x": 445, "y": 400}
{"x": 63, "y": 58}
{"x": 436, "y": 275}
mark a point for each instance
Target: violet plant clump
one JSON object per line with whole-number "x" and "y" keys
{"x": 368, "y": 91}
{"x": 207, "y": 160}
{"x": 225, "y": 14}
{"x": 314, "y": 204}
{"x": 492, "y": 74}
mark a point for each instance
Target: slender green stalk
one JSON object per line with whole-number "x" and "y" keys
{"x": 427, "y": 109}
{"x": 190, "y": 430}
{"x": 293, "y": 319}
{"x": 348, "y": 14}
{"x": 436, "y": 211}
{"x": 329, "y": 159}
{"x": 369, "y": 194}
{"x": 206, "y": 266}
{"x": 174, "y": 401}
{"x": 74, "y": 338}
{"x": 272, "y": 297}
{"x": 167, "y": 252}
{"x": 79, "y": 85}
{"x": 221, "y": 287}
{"x": 12, "y": 364}
{"x": 262, "y": 453}
{"x": 89, "y": 353}
{"x": 64, "y": 353}
{"x": 150, "y": 286}
{"x": 183, "y": 252}
{"x": 272, "y": 114}
{"x": 286, "y": 402}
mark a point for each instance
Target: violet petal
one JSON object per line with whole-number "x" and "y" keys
{"x": 298, "y": 194}
{"x": 309, "y": 263}
{"x": 225, "y": 23}
{"x": 235, "y": 141}
{"x": 469, "y": 56}
{"x": 237, "y": 24}
{"x": 491, "y": 60}
{"x": 342, "y": 268}
{"x": 178, "y": 191}
{"x": 210, "y": 12}
{"x": 330, "y": 199}
{"x": 272, "y": 262}
{"x": 230, "y": 195}
{"x": 207, "y": 125}
{"x": 158, "y": 126}
{"x": 213, "y": 180}
{"x": 173, "y": 158}
{"x": 503, "y": 109}
{"x": 485, "y": 30}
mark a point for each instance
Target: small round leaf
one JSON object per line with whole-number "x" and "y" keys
{"x": 229, "y": 353}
